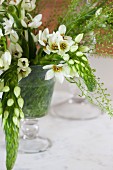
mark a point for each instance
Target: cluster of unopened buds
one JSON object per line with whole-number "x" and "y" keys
{"x": 18, "y": 114}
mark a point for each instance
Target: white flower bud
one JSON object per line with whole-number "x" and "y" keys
{"x": 3, "y": 122}
{"x": 66, "y": 57}
{"x": 6, "y": 89}
{"x": 6, "y": 114}
{"x": 79, "y": 38}
{"x": 84, "y": 58}
{"x": 74, "y": 48}
{"x": 17, "y": 91}
{"x": 79, "y": 53}
{"x": 16, "y": 121}
{"x": 84, "y": 49}
{"x": 21, "y": 114}
{"x": 17, "y": 112}
{"x": 20, "y": 102}
{"x": 10, "y": 102}
{"x": 71, "y": 61}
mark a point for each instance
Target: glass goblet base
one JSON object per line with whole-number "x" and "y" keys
{"x": 76, "y": 108}
{"x": 39, "y": 144}
{"x": 30, "y": 141}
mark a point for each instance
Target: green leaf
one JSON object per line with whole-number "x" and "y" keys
{"x": 32, "y": 46}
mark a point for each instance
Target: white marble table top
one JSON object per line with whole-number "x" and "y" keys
{"x": 76, "y": 145}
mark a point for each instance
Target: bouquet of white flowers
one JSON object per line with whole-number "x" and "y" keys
{"x": 20, "y": 48}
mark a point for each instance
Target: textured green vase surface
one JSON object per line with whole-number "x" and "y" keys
{"x": 36, "y": 92}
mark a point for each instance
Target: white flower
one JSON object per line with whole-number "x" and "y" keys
{"x": 22, "y": 73}
{"x": 8, "y": 24}
{"x": 79, "y": 38}
{"x": 14, "y": 36}
{"x": 1, "y": 34}
{"x": 53, "y": 42}
{"x": 14, "y": 2}
{"x": 15, "y": 50}
{"x": 58, "y": 71}
{"x": 63, "y": 47}
{"x": 29, "y": 5}
{"x": 23, "y": 63}
{"x": 43, "y": 37}
{"x": 6, "y": 58}
{"x": 1, "y": 1}
{"x": 36, "y": 21}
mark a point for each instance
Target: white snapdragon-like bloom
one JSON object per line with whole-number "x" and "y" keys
{"x": 53, "y": 42}
{"x": 1, "y": 34}
{"x": 58, "y": 71}
{"x": 5, "y": 60}
{"x": 15, "y": 50}
{"x": 23, "y": 63}
{"x": 14, "y": 2}
{"x": 8, "y": 24}
{"x": 22, "y": 73}
{"x": 36, "y": 21}
{"x": 29, "y": 5}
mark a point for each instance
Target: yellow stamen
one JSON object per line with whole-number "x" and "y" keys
{"x": 57, "y": 69}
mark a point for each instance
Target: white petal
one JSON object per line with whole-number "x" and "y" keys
{"x": 47, "y": 51}
{"x": 23, "y": 23}
{"x": 1, "y": 63}
{"x": 14, "y": 37}
{"x": 49, "y": 75}
{"x": 19, "y": 48}
{"x": 38, "y": 17}
{"x": 62, "y": 29}
{"x": 47, "y": 66}
{"x": 59, "y": 76}
{"x": 41, "y": 42}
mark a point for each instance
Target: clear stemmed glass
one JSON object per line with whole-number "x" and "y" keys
{"x": 76, "y": 107}
{"x": 37, "y": 93}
